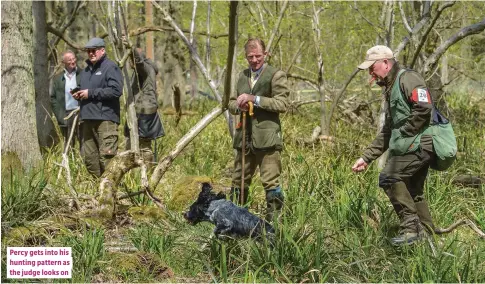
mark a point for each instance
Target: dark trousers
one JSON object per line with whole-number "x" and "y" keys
{"x": 403, "y": 180}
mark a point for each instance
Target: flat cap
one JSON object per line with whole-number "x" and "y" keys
{"x": 95, "y": 42}
{"x": 375, "y": 53}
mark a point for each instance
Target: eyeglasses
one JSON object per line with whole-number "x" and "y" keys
{"x": 371, "y": 68}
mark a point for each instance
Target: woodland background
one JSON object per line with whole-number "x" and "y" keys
{"x": 336, "y": 224}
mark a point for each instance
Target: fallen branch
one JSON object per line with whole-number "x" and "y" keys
{"x": 165, "y": 163}
{"x": 469, "y": 181}
{"x": 65, "y": 160}
{"x": 464, "y": 221}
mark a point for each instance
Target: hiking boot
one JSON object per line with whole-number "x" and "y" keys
{"x": 406, "y": 239}
{"x": 274, "y": 203}
{"x": 411, "y": 237}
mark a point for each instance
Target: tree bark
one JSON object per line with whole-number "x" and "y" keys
{"x": 321, "y": 68}
{"x": 229, "y": 86}
{"x": 208, "y": 38}
{"x": 149, "y": 36}
{"x": 193, "y": 69}
{"x": 19, "y": 132}
{"x": 173, "y": 61}
{"x": 45, "y": 126}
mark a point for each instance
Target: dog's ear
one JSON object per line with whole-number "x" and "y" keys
{"x": 206, "y": 187}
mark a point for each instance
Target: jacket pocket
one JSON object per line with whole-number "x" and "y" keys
{"x": 400, "y": 145}
{"x": 108, "y": 133}
{"x": 266, "y": 138}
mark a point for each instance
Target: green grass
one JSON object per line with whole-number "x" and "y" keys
{"x": 336, "y": 224}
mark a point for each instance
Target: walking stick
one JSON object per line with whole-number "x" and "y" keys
{"x": 243, "y": 150}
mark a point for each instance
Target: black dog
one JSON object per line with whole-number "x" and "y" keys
{"x": 230, "y": 220}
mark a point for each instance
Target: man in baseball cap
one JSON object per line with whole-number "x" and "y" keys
{"x": 411, "y": 145}
{"x": 375, "y": 53}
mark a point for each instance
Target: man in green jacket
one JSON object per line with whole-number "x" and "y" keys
{"x": 409, "y": 113}
{"x": 61, "y": 99}
{"x": 266, "y": 87}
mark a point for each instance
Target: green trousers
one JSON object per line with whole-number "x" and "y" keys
{"x": 100, "y": 144}
{"x": 269, "y": 163}
{"x": 403, "y": 180}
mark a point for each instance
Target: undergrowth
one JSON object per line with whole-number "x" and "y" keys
{"x": 335, "y": 226}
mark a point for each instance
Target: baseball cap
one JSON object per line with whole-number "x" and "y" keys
{"x": 95, "y": 42}
{"x": 375, "y": 53}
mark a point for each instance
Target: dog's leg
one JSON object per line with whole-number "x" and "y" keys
{"x": 223, "y": 228}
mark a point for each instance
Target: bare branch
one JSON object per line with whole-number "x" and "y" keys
{"x": 277, "y": 25}
{"x": 192, "y": 23}
{"x": 143, "y": 30}
{"x": 64, "y": 37}
{"x": 464, "y": 221}
{"x": 193, "y": 52}
{"x": 261, "y": 17}
{"x": 403, "y": 16}
{"x": 70, "y": 20}
{"x": 299, "y": 77}
{"x": 207, "y": 41}
{"x": 466, "y": 31}
{"x": 295, "y": 56}
{"x": 415, "y": 30}
{"x": 340, "y": 94}
{"x": 165, "y": 163}
{"x": 428, "y": 30}
{"x": 376, "y": 29}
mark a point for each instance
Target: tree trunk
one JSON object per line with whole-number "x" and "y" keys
{"x": 388, "y": 25}
{"x": 208, "y": 38}
{"x": 45, "y": 126}
{"x": 19, "y": 133}
{"x": 193, "y": 68}
{"x": 229, "y": 81}
{"x": 173, "y": 62}
{"x": 149, "y": 36}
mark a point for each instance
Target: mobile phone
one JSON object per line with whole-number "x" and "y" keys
{"x": 75, "y": 90}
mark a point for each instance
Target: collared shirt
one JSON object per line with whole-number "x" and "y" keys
{"x": 254, "y": 79}
{"x": 71, "y": 83}
{"x": 255, "y": 76}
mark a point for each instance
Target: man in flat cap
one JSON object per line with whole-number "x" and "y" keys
{"x": 408, "y": 133}
{"x": 101, "y": 85}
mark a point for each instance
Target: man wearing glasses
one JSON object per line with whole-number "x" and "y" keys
{"x": 101, "y": 85}
{"x": 408, "y": 133}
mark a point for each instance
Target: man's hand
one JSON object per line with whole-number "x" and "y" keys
{"x": 81, "y": 95}
{"x": 359, "y": 165}
{"x": 242, "y": 101}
